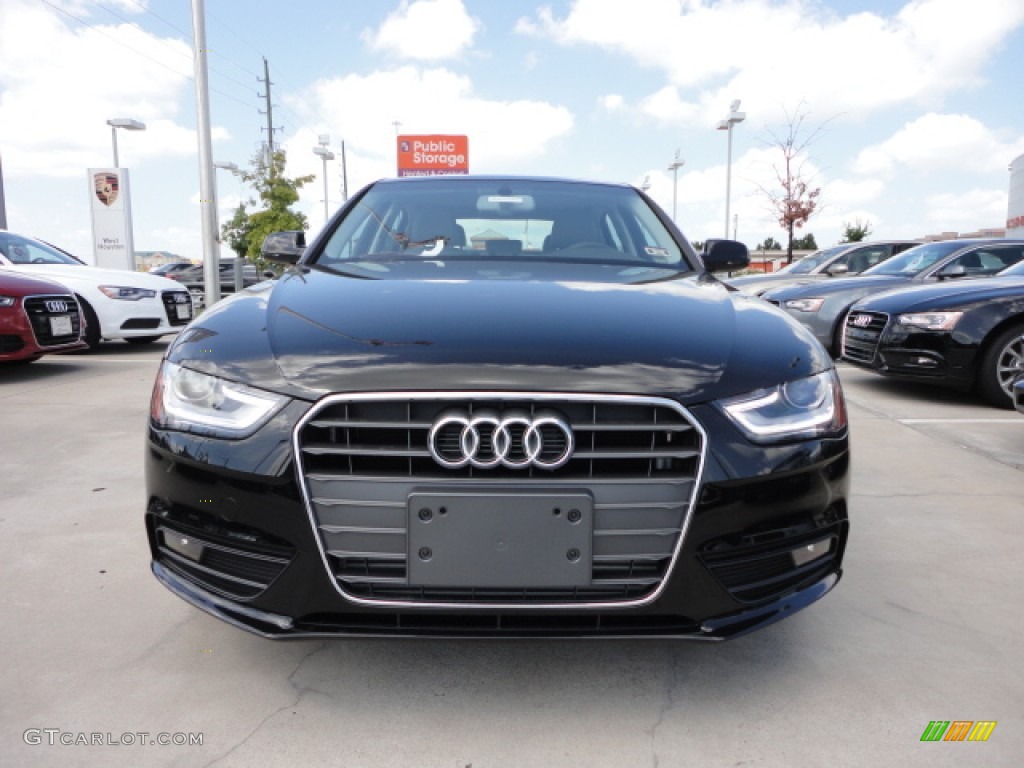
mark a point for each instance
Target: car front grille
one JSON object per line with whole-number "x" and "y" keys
{"x": 364, "y": 458}
{"x": 861, "y": 333}
{"x": 42, "y": 310}
{"x": 172, "y": 300}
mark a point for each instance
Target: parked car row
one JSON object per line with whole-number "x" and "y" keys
{"x": 137, "y": 307}
{"x": 838, "y": 261}
{"x": 924, "y": 315}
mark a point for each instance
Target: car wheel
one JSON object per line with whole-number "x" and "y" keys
{"x": 142, "y": 339}
{"x": 92, "y": 325}
{"x": 1002, "y": 362}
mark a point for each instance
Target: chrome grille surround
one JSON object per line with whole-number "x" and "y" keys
{"x": 347, "y": 498}
{"x": 860, "y": 340}
{"x": 38, "y": 311}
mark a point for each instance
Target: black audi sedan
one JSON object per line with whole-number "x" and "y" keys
{"x": 822, "y": 307}
{"x": 961, "y": 335}
{"x": 497, "y": 407}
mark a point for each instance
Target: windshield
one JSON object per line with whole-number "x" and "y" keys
{"x": 21, "y": 250}
{"x": 807, "y": 264}
{"x": 917, "y": 259}
{"x": 491, "y": 220}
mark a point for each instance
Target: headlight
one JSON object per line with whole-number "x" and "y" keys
{"x": 931, "y": 321}
{"x": 800, "y": 409}
{"x": 127, "y": 293}
{"x": 8, "y": 301}
{"x": 805, "y": 305}
{"x": 189, "y": 401}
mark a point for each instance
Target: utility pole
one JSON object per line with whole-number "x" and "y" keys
{"x": 269, "y": 113}
{"x": 344, "y": 175}
{"x": 207, "y": 188}
{"x": 3, "y": 204}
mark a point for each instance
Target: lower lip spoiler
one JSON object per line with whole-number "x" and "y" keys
{"x": 276, "y": 627}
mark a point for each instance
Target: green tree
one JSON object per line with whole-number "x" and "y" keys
{"x": 806, "y": 243}
{"x": 275, "y": 194}
{"x": 856, "y": 232}
{"x": 770, "y": 244}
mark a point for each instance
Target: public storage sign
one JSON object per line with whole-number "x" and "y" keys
{"x": 432, "y": 155}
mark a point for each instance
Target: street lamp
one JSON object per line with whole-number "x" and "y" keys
{"x": 325, "y": 155}
{"x": 224, "y": 166}
{"x": 734, "y": 117}
{"x": 674, "y": 167}
{"x": 123, "y": 122}
{"x": 238, "y": 276}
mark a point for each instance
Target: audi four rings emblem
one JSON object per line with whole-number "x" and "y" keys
{"x": 862, "y": 321}
{"x": 56, "y": 305}
{"x": 489, "y": 439}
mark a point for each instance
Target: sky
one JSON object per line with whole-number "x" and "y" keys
{"x": 913, "y": 108}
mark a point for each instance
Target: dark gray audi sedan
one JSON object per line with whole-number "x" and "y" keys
{"x": 497, "y": 407}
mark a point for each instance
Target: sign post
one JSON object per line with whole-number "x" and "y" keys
{"x": 433, "y": 155}
{"x": 112, "y": 244}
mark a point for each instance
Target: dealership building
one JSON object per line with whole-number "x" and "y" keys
{"x": 1015, "y": 210}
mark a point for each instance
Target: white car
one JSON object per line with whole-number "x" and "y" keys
{"x": 117, "y": 304}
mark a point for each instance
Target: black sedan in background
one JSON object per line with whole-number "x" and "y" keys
{"x": 497, "y": 407}
{"x": 821, "y": 307}
{"x": 964, "y": 335}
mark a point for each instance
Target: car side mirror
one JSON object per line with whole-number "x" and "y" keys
{"x": 284, "y": 247}
{"x": 725, "y": 255}
{"x": 837, "y": 269}
{"x": 957, "y": 270}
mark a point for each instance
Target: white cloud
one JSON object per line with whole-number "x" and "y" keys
{"x": 425, "y": 30}
{"x": 612, "y": 102}
{"x": 665, "y": 106}
{"x": 779, "y": 51}
{"x": 936, "y": 141}
{"x": 844, "y": 194}
{"x": 501, "y": 133}
{"x": 88, "y": 75}
{"x": 967, "y": 211}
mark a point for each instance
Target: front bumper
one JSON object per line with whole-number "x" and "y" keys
{"x": 167, "y": 312}
{"x": 918, "y": 355}
{"x": 230, "y": 532}
{"x": 277, "y": 627}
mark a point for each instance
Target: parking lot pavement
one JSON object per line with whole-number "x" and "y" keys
{"x": 925, "y": 625}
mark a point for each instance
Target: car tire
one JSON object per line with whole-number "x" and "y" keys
{"x": 1001, "y": 363}
{"x": 142, "y": 339}
{"x": 92, "y": 325}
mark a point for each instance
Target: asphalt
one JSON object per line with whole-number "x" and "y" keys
{"x": 925, "y": 625}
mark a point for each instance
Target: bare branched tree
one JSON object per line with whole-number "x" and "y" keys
{"x": 795, "y": 199}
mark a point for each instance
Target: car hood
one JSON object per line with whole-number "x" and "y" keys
{"x": 19, "y": 284}
{"x": 311, "y": 333}
{"x": 862, "y": 283}
{"x": 944, "y": 295}
{"x": 72, "y": 275}
{"x": 754, "y": 284}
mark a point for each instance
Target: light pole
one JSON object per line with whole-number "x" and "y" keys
{"x": 122, "y": 122}
{"x": 734, "y": 117}
{"x": 674, "y": 167}
{"x": 238, "y": 276}
{"x": 325, "y": 155}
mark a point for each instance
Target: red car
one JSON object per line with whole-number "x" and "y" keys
{"x": 36, "y": 317}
